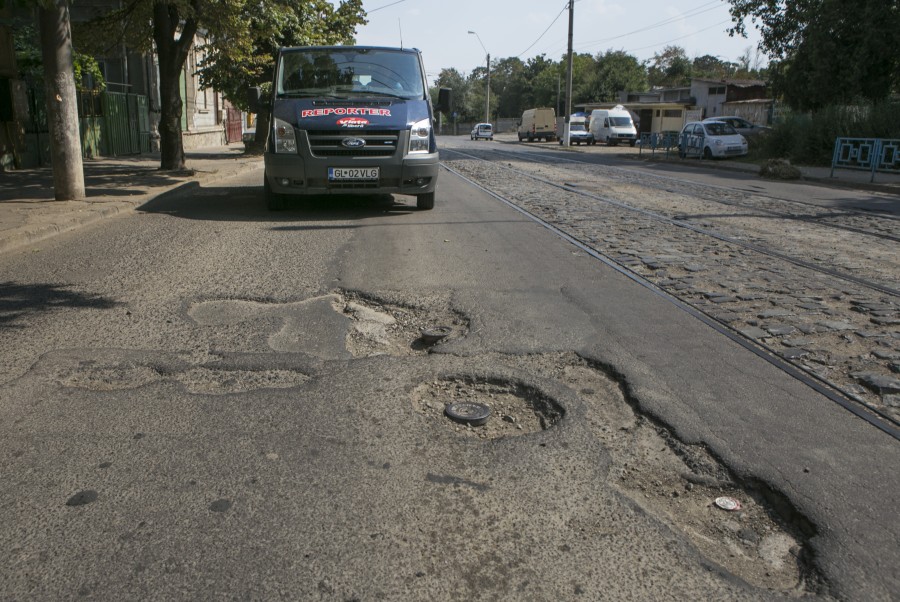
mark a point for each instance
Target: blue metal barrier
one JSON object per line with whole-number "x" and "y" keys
{"x": 866, "y": 154}
{"x": 658, "y": 140}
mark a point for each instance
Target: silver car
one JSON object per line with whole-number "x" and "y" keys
{"x": 483, "y": 130}
{"x": 741, "y": 125}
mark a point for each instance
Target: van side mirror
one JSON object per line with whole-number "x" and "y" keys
{"x": 445, "y": 101}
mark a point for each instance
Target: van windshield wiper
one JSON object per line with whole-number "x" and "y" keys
{"x": 308, "y": 94}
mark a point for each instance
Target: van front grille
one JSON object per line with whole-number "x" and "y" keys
{"x": 328, "y": 143}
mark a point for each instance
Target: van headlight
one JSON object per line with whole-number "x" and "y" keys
{"x": 420, "y": 137}
{"x": 285, "y": 137}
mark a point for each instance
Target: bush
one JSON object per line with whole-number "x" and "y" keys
{"x": 808, "y": 139}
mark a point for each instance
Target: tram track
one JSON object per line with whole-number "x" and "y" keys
{"x": 760, "y": 270}
{"x": 887, "y": 226}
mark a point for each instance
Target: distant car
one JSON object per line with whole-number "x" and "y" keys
{"x": 741, "y": 125}
{"x": 712, "y": 139}
{"x": 579, "y": 134}
{"x": 483, "y": 130}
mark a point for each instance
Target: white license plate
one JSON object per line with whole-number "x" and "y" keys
{"x": 352, "y": 173}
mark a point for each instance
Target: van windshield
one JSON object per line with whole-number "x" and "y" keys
{"x": 349, "y": 73}
{"x": 620, "y": 122}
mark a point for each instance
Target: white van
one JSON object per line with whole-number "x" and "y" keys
{"x": 537, "y": 124}
{"x": 613, "y": 126}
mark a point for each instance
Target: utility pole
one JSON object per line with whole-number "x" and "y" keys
{"x": 569, "y": 74}
{"x": 487, "y": 102}
{"x": 62, "y": 103}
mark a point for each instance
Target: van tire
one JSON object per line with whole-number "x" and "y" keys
{"x": 707, "y": 154}
{"x": 425, "y": 201}
{"x": 274, "y": 201}
{"x": 633, "y": 142}
{"x": 530, "y": 138}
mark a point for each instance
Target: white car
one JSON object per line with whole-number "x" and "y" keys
{"x": 712, "y": 140}
{"x": 483, "y": 130}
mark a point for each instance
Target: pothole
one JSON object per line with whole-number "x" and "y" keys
{"x": 199, "y": 380}
{"x": 386, "y": 326}
{"x": 764, "y": 542}
{"x": 515, "y": 408}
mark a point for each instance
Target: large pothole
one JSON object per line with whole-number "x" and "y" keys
{"x": 764, "y": 541}
{"x": 515, "y": 408}
{"x": 392, "y": 326}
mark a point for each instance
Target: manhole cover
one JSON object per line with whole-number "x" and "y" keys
{"x": 430, "y": 336}
{"x": 474, "y": 414}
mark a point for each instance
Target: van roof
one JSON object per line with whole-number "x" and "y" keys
{"x": 349, "y": 47}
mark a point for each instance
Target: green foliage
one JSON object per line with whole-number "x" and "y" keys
{"x": 31, "y": 64}
{"x": 827, "y": 51}
{"x": 616, "y": 71}
{"x": 670, "y": 68}
{"x": 808, "y": 138}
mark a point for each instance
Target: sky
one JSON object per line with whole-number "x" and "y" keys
{"x": 526, "y": 28}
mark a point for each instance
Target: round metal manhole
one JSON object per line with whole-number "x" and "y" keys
{"x": 473, "y": 414}
{"x": 430, "y": 336}
{"x": 486, "y": 407}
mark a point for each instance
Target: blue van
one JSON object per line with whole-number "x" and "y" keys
{"x": 350, "y": 120}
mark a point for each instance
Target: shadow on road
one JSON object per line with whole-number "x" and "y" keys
{"x": 20, "y": 300}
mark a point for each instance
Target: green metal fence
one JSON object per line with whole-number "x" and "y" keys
{"x": 110, "y": 123}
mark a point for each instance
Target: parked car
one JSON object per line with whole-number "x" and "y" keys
{"x": 578, "y": 132}
{"x": 537, "y": 124}
{"x": 483, "y": 130}
{"x": 741, "y": 125}
{"x": 712, "y": 139}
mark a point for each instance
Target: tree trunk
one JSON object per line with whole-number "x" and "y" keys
{"x": 62, "y": 101}
{"x": 263, "y": 125}
{"x": 172, "y": 53}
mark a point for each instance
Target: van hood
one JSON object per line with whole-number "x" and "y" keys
{"x": 352, "y": 113}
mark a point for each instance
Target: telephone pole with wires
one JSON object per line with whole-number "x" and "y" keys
{"x": 565, "y": 139}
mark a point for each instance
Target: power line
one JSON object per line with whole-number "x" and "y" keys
{"x": 692, "y": 12}
{"x": 545, "y": 31}
{"x": 680, "y": 38}
{"x": 368, "y": 12}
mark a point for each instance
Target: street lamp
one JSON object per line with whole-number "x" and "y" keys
{"x": 487, "y": 102}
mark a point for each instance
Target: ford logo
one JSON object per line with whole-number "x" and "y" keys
{"x": 353, "y": 142}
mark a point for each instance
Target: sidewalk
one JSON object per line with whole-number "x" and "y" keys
{"x": 29, "y": 213}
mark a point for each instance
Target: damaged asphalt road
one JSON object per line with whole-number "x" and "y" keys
{"x": 242, "y": 407}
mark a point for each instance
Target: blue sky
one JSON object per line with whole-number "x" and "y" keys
{"x": 526, "y": 28}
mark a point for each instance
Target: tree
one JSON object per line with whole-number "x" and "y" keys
{"x": 616, "y": 71}
{"x": 233, "y": 28}
{"x": 62, "y": 102}
{"x": 670, "y": 68}
{"x": 827, "y": 51}
{"x": 712, "y": 67}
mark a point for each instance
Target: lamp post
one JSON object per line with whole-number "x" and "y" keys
{"x": 487, "y": 102}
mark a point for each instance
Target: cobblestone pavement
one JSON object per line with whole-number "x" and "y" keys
{"x": 816, "y": 286}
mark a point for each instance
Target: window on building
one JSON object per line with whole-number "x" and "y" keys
{"x": 672, "y": 113}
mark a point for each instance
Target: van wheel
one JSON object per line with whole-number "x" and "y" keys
{"x": 633, "y": 142}
{"x": 531, "y": 138}
{"x": 425, "y": 201}
{"x": 274, "y": 201}
{"x": 707, "y": 154}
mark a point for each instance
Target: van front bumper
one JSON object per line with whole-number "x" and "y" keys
{"x": 305, "y": 175}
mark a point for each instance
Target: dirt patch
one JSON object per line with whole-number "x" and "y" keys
{"x": 762, "y": 542}
{"x": 385, "y": 326}
{"x": 201, "y": 380}
{"x": 516, "y": 409}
